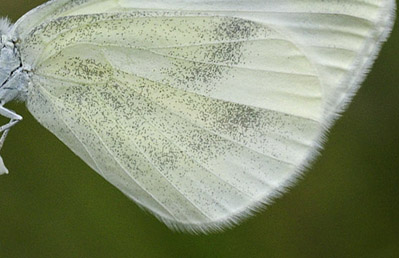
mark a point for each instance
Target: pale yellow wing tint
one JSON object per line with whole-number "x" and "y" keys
{"x": 340, "y": 38}
{"x": 193, "y": 117}
{"x": 200, "y": 111}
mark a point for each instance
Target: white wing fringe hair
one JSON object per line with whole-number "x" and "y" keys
{"x": 202, "y": 112}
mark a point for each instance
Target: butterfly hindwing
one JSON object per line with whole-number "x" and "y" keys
{"x": 198, "y": 111}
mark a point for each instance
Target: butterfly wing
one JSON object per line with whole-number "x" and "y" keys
{"x": 176, "y": 125}
{"x": 197, "y": 115}
{"x": 340, "y": 38}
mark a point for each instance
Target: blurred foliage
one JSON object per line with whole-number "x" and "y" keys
{"x": 346, "y": 205}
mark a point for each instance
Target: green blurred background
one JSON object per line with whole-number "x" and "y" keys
{"x": 347, "y": 204}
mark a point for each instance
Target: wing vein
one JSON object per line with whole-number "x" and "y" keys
{"x": 210, "y": 97}
{"x": 213, "y": 132}
{"x": 56, "y": 100}
{"x": 156, "y": 168}
{"x": 195, "y": 160}
{"x": 196, "y": 61}
{"x": 197, "y": 125}
{"x": 72, "y": 131}
{"x": 210, "y": 131}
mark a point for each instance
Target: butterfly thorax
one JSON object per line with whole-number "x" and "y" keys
{"x": 13, "y": 77}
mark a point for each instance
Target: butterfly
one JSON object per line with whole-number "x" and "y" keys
{"x": 199, "y": 111}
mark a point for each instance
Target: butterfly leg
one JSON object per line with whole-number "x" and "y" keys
{"x": 14, "y": 119}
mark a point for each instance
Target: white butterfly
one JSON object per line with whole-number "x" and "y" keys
{"x": 199, "y": 111}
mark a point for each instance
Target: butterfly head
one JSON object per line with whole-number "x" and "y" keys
{"x": 5, "y": 26}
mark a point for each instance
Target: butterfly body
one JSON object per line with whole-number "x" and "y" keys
{"x": 13, "y": 79}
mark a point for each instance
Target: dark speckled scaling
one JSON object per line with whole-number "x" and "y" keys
{"x": 156, "y": 93}
{"x": 199, "y": 111}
